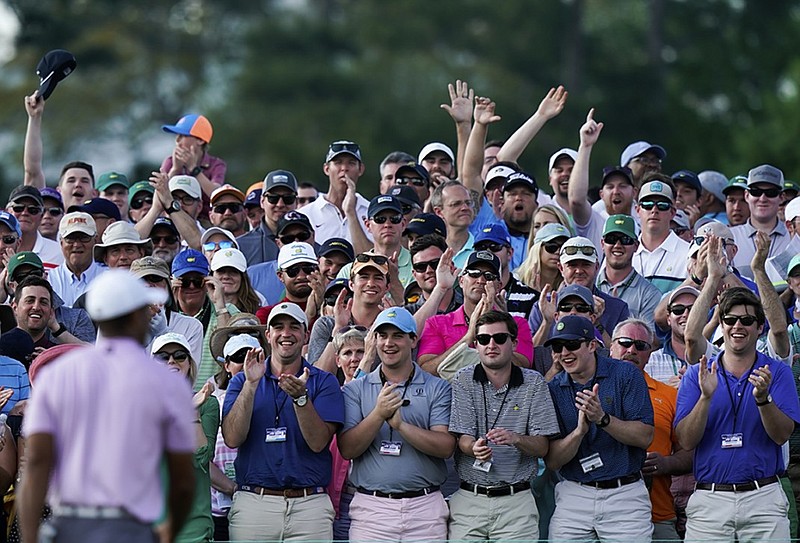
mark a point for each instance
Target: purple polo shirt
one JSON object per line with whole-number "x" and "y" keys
{"x": 213, "y": 167}
{"x": 443, "y": 331}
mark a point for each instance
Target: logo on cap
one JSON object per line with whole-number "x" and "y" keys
{"x": 384, "y": 199}
{"x": 395, "y": 192}
{"x": 228, "y": 253}
{"x": 298, "y": 250}
{"x": 391, "y": 314}
{"x": 619, "y": 221}
{"x": 484, "y": 255}
{"x": 489, "y": 229}
{"x": 560, "y": 326}
{"x": 191, "y": 259}
{"x": 656, "y": 186}
{"x": 284, "y": 306}
{"x": 338, "y": 244}
{"x": 75, "y": 220}
{"x": 280, "y": 179}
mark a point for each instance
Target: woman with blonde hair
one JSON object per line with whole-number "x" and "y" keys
{"x": 540, "y": 267}
{"x": 549, "y": 214}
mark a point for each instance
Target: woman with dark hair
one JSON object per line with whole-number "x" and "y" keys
{"x": 230, "y": 267}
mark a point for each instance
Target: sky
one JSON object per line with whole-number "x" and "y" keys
{"x": 9, "y": 26}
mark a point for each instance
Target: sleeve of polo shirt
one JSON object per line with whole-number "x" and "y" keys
{"x": 542, "y": 419}
{"x": 783, "y": 391}
{"x": 688, "y": 394}
{"x": 179, "y": 415}
{"x": 554, "y": 391}
{"x": 83, "y": 328}
{"x": 463, "y": 415}
{"x": 216, "y": 173}
{"x": 636, "y": 403}
{"x": 440, "y": 404}
{"x": 353, "y": 393}
{"x": 321, "y": 332}
{"x": 524, "y": 340}
{"x": 431, "y": 341}
{"x": 234, "y": 388}
{"x": 328, "y": 399}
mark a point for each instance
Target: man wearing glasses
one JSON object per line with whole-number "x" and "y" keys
{"x": 642, "y": 158}
{"x": 26, "y": 204}
{"x": 299, "y": 272}
{"x": 606, "y": 422}
{"x": 78, "y": 238}
{"x": 227, "y": 209}
{"x": 454, "y": 204}
{"x": 415, "y": 176}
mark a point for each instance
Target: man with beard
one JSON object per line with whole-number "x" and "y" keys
{"x": 78, "y": 238}
{"x": 166, "y": 239}
{"x": 227, "y": 209}
{"x": 299, "y": 273}
{"x": 561, "y": 164}
{"x": 519, "y": 205}
{"x": 35, "y": 313}
{"x": 439, "y": 160}
{"x": 617, "y": 276}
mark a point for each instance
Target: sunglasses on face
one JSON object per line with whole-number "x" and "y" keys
{"x": 680, "y": 309}
{"x": 177, "y": 356}
{"x": 32, "y": 209}
{"x": 489, "y": 276}
{"x": 408, "y": 208}
{"x": 18, "y": 277}
{"x": 288, "y": 199}
{"x": 239, "y": 356}
{"x": 698, "y": 240}
{"x": 357, "y": 327}
{"x": 303, "y": 200}
{"x": 307, "y": 269}
{"x": 756, "y": 192}
{"x": 650, "y": 204}
{"x": 613, "y": 239}
{"x": 78, "y": 238}
{"x": 499, "y": 338}
{"x": 330, "y": 299}
{"x": 196, "y": 282}
{"x": 679, "y": 231}
{"x": 286, "y": 239}
{"x": 139, "y": 203}
{"x": 9, "y": 239}
{"x": 394, "y": 219}
{"x": 54, "y": 211}
{"x": 626, "y": 342}
{"x": 588, "y": 251}
{"x": 169, "y": 240}
{"x": 416, "y": 181}
{"x": 579, "y": 307}
{"x": 232, "y": 207}
{"x": 553, "y": 247}
{"x": 380, "y": 260}
{"x": 746, "y": 320}
{"x": 490, "y": 246}
{"x": 569, "y": 344}
{"x": 153, "y": 279}
{"x": 211, "y": 245}
{"x": 420, "y": 267}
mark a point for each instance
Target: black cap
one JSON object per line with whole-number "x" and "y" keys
{"x": 99, "y": 206}
{"x": 382, "y": 203}
{"x": 405, "y": 194}
{"x": 280, "y": 178}
{"x": 54, "y": 66}
{"x": 624, "y": 171}
{"x": 166, "y": 223}
{"x": 26, "y": 191}
{"x": 483, "y": 257}
{"x": 294, "y": 217}
{"x": 426, "y": 223}
{"x": 340, "y": 245}
{"x": 521, "y": 179}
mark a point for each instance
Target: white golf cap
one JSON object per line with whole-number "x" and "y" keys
{"x": 118, "y": 292}
{"x": 168, "y": 338}
{"x": 432, "y": 148}
{"x": 567, "y": 152}
{"x": 238, "y": 342}
{"x": 288, "y": 308}
{"x": 297, "y": 252}
{"x": 229, "y": 258}
{"x": 77, "y": 221}
{"x": 187, "y": 184}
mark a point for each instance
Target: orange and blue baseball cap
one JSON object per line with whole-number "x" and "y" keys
{"x": 191, "y": 125}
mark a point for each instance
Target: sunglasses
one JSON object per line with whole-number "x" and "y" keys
{"x": 239, "y": 356}
{"x": 357, "y": 327}
{"x": 698, "y": 240}
{"x": 349, "y": 146}
{"x": 679, "y": 309}
{"x": 489, "y": 276}
{"x": 139, "y": 203}
{"x": 624, "y": 239}
{"x": 407, "y": 208}
{"x": 294, "y": 271}
{"x": 301, "y": 201}
{"x": 169, "y": 240}
{"x": 499, "y": 338}
{"x": 32, "y": 209}
{"x": 626, "y": 343}
{"x": 54, "y": 211}
{"x": 416, "y": 181}
{"x": 569, "y": 344}
{"x": 650, "y": 204}
{"x": 573, "y": 250}
{"x": 177, "y": 356}
{"x": 9, "y": 239}
{"x": 490, "y": 246}
{"x": 413, "y": 298}
{"x": 288, "y": 199}
{"x": 394, "y": 219}
{"x": 330, "y": 299}
{"x": 153, "y": 279}
{"x": 755, "y": 192}
{"x": 286, "y": 239}
{"x": 232, "y": 207}
{"x": 380, "y": 260}
{"x": 679, "y": 231}
{"x": 211, "y": 245}
{"x": 77, "y": 238}
{"x": 18, "y": 277}
{"x": 746, "y": 320}
{"x": 580, "y": 308}
{"x": 196, "y": 282}
{"x": 553, "y": 247}
{"x": 420, "y": 267}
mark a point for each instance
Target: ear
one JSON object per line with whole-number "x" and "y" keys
{"x": 325, "y": 168}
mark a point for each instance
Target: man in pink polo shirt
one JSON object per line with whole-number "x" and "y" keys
{"x": 443, "y": 334}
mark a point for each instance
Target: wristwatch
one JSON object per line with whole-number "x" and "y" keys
{"x": 765, "y": 402}
{"x": 302, "y": 400}
{"x": 61, "y": 329}
{"x": 173, "y": 207}
{"x": 605, "y": 421}
{"x": 196, "y": 170}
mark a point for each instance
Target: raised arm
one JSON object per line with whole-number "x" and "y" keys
{"x": 778, "y": 335}
{"x": 696, "y": 343}
{"x": 445, "y": 279}
{"x": 460, "y": 110}
{"x": 578, "y": 192}
{"x": 484, "y": 115}
{"x": 236, "y": 424}
{"x": 551, "y": 105}
{"x": 33, "y": 151}
{"x": 186, "y": 225}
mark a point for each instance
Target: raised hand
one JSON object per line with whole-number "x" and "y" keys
{"x": 548, "y": 307}
{"x": 760, "y": 378}
{"x": 717, "y": 262}
{"x": 254, "y": 365}
{"x": 34, "y": 105}
{"x": 349, "y": 202}
{"x": 707, "y": 378}
{"x": 214, "y": 289}
{"x": 292, "y": 385}
{"x": 588, "y": 402}
{"x": 342, "y": 310}
{"x": 590, "y": 130}
{"x": 484, "y": 111}
{"x": 553, "y": 102}
{"x": 202, "y": 395}
{"x": 763, "y": 242}
{"x": 461, "y": 96}
{"x": 160, "y": 182}
{"x": 446, "y": 273}
{"x": 599, "y": 307}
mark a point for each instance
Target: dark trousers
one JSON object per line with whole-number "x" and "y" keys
{"x": 78, "y": 530}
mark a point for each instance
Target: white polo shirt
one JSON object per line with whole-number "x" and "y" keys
{"x": 328, "y": 221}
{"x": 665, "y": 266}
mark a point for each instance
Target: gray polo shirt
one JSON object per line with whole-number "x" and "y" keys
{"x": 636, "y": 291}
{"x": 523, "y": 406}
{"x": 412, "y": 470}
{"x": 744, "y": 236}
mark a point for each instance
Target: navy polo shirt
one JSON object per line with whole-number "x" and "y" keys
{"x": 623, "y": 394}
{"x": 291, "y": 463}
{"x": 759, "y": 456}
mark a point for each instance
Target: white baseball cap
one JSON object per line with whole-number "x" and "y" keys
{"x": 792, "y": 210}
{"x": 217, "y": 230}
{"x": 567, "y": 152}
{"x": 288, "y": 308}
{"x": 296, "y": 252}
{"x": 229, "y": 258}
{"x": 238, "y": 342}
{"x": 118, "y": 292}
{"x": 168, "y": 338}
{"x": 580, "y": 248}
{"x": 187, "y": 184}
{"x": 432, "y": 148}
{"x": 77, "y": 221}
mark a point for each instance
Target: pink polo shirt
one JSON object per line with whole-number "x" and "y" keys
{"x": 443, "y": 331}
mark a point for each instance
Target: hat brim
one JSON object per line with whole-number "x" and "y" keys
{"x": 100, "y": 248}
{"x": 220, "y": 337}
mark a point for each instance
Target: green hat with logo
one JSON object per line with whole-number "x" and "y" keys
{"x": 140, "y": 186}
{"x": 620, "y": 223}
{"x": 25, "y": 258}
{"x": 791, "y": 186}
{"x": 737, "y": 182}
{"x": 110, "y": 179}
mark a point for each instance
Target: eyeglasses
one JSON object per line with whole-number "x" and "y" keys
{"x": 54, "y": 211}
{"x": 624, "y": 239}
{"x": 647, "y": 161}
{"x": 394, "y": 219}
{"x": 460, "y": 203}
{"x": 569, "y": 344}
{"x": 239, "y": 356}
{"x": 9, "y": 239}
{"x": 211, "y": 245}
{"x": 288, "y": 199}
{"x": 573, "y": 250}
{"x": 489, "y": 276}
{"x": 77, "y": 238}
{"x": 186, "y": 199}
{"x": 303, "y": 200}
{"x": 32, "y": 208}
{"x": 499, "y": 338}
{"x": 746, "y": 320}
{"x": 626, "y": 343}
{"x": 169, "y": 240}
{"x": 416, "y": 181}
{"x": 139, "y": 203}
{"x": 420, "y": 267}
{"x": 489, "y": 246}
{"x": 232, "y": 207}
{"x": 380, "y": 260}
{"x": 356, "y": 327}
{"x": 650, "y": 204}
{"x": 680, "y": 309}
{"x": 177, "y": 356}
{"x": 579, "y": 307}
{"x": 756, "y": 192}
{"x": 196, "y": 282}
{"x": 553, "y": 247}
{"x": 153, "y": 279}
{"x": 307, "y": 269}
{"x": 19, "y": 276}
{"x": 286, "y": 239}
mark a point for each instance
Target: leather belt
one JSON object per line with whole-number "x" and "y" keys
{"x": 737, "y": 487}
{"x": 283, "y": 492}
{"x": 398, "y": 495}
{"x": 615, "y": 483}
{"x": 91, "y": 512}
{"x": 496, "y": 491}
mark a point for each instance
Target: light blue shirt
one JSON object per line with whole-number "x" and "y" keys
{"x": 69, "y": 286}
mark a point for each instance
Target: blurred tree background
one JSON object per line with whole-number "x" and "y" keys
{"x": 713, "y": 81}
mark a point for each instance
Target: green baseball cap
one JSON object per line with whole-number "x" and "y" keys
{"x": 738, "y": 182}
{"x": 620, "y": 223}
{"x": 25, "y": 258}
{"x": 793, "y": 263}
{"x": 109, "y": 179}
{"x": 140, "y": 186}
{"x": 791, "y": 185}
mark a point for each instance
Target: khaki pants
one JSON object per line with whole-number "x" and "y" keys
{"x": 275, "y": 518}
{"x": 474, "y": 517}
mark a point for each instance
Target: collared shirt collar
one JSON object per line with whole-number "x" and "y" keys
{"x": 600, "y": 371}
{"x": 779, "y": 230}
{"x": 516, "y": 379}
{"x": 601, "y": 278}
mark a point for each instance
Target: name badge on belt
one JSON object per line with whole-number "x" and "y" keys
{"x": 276, "y": 435}
{"x": 591, "y": 462}
{"x": 391, "y": 448}
{"x": 732, "y": 441}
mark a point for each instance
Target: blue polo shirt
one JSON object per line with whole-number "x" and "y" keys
{"x": 759, "y": 456}
{"x": 291, "y": 463}
{"x": 623, "y": 394}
